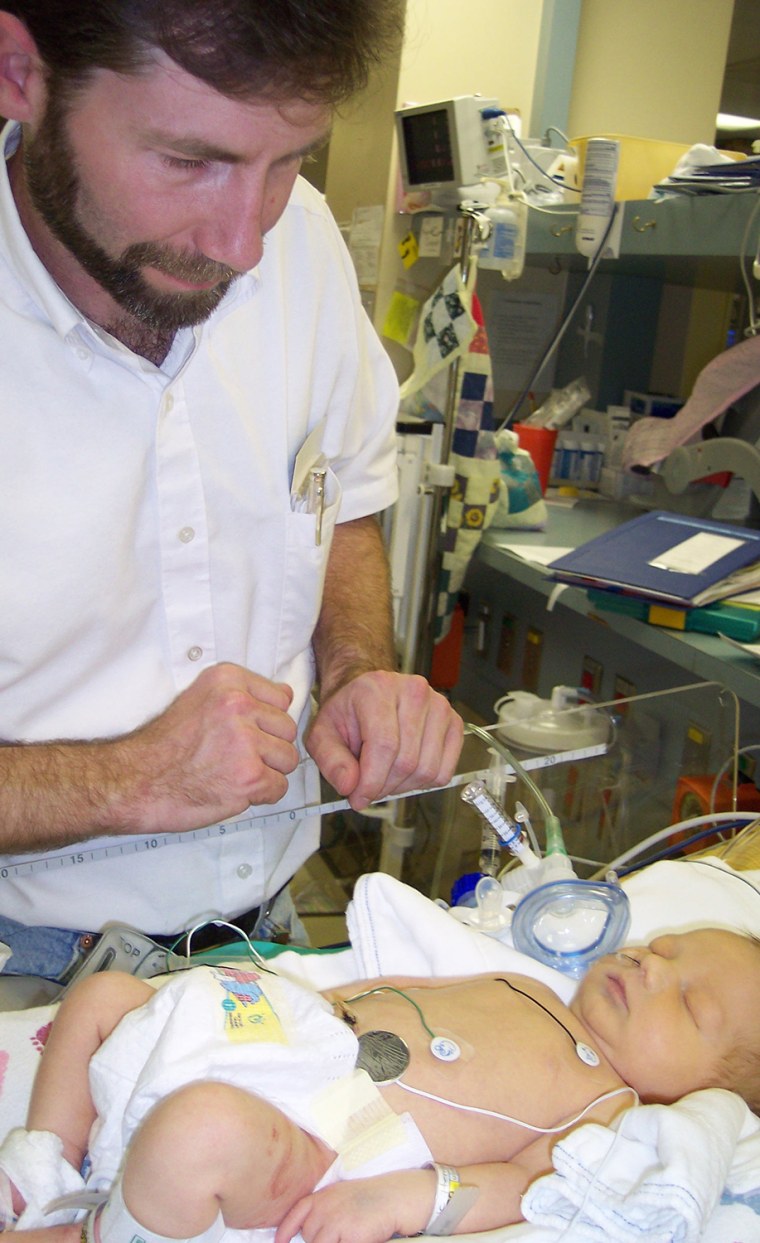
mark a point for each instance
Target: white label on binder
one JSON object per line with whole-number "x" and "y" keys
{"x": 696, "y": 554}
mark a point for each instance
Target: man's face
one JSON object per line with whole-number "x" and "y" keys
{"x": 161, "y": 190}
{"x": 668, "y": 1014}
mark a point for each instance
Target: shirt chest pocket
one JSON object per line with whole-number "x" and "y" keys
{"x": 315, "y": 504}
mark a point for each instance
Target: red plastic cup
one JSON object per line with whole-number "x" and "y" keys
{"x": 539, "y": 443}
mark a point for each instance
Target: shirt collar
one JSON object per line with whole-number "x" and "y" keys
{"x": 33, "y": 277}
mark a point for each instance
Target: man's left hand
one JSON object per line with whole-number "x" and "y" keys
{"x": 385, "y": 733}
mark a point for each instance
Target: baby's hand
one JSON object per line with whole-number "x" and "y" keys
{"x": 363, "y": 1210}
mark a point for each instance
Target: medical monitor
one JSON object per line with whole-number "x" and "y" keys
{"x": 442, "y": 145}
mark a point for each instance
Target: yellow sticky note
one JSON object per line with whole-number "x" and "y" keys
{"x": 400, "y": 317}
{"x": 409, "y": 250}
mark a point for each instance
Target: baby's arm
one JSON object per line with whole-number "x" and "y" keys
{"x": 373, "y": 1210}
{"x": 50, "y": 1234}
{"x": 60, "y": 1100}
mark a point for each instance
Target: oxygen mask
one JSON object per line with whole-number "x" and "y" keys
{"x": 561, "y": 921}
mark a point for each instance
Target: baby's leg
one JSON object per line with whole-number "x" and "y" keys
{"x": 211, "y": 1148}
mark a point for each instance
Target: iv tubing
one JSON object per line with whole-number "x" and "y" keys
{"x": 559, "y": 334}
{"x": 720, "y": 817}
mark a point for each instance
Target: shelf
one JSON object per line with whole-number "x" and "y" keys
{"x": 685, "y": 239}
{"x": 708, "y": 226}
{"x": 704, "y": 657}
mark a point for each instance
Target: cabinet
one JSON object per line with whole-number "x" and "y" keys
{"x": 663, "y": 232}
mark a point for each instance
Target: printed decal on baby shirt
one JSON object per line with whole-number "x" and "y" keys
{"x": 248, "y": 1013}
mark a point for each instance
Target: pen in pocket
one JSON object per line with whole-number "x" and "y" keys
{"x": 316, "y": 497}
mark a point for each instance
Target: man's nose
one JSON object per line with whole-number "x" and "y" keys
{"x": 233, "y": 231}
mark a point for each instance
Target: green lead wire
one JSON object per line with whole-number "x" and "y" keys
{"x": 388, "y": 988}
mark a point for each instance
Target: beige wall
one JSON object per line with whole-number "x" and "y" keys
{"x": 653, "y": 68}
{"x": 488, "y": 47}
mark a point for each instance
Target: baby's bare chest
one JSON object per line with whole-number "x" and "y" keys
{"x": 479, "y": 1060}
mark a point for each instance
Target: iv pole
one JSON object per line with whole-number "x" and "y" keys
{"x": 398, "y": 821}
{"x": 440, "y": 492}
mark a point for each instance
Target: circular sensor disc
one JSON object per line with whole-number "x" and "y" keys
{"x": 383, "y": 1055}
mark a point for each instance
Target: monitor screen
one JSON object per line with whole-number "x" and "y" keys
{"x": 429, "y": 152}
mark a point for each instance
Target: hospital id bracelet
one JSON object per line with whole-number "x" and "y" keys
{"x": 452, "y": 1201}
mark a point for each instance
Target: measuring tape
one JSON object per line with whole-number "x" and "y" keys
{"x": 119, "y": 848}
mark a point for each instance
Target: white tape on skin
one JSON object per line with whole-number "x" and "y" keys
{"x": 452, "y": 1201}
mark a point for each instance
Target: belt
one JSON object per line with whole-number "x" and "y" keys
{"x": 211, "y": 936}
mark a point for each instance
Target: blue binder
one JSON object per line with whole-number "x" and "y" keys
{"x": 633, "y": 557}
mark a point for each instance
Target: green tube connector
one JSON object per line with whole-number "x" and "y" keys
{"x": 555, "y": 844}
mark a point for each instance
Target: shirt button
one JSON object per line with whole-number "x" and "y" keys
{"x": 168, "y": 403}
{"x": 194, "y": 653}
{"x": 186, "y": 534}
{"x": 83, "y": 354}
{"x": 244, "y": 871}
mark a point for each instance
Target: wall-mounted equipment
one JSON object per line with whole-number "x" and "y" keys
{"x": 442, "y": 145}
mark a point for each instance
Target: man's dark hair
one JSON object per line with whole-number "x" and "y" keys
{"x": 319, "y": 50}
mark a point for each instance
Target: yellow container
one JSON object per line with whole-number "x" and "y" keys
{"x": 643, "y": 162}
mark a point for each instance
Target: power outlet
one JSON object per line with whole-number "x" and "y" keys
{"x": 507, "y": 641}
{"x": 696, "y": 749}
{"x": 623, "y": 689}
{"x": 534, "y": 644}
{"x": 591, "y": 675}
{"x": 483, "y": 631}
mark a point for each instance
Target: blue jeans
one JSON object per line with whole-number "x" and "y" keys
{"x": 47, "y": 952}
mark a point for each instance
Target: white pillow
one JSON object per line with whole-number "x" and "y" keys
{"x": 678, "y": 895}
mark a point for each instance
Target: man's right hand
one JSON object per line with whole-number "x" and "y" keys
{"x": 224, "y": 744}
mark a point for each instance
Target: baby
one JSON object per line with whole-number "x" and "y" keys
{"x": 231, "y": 1098}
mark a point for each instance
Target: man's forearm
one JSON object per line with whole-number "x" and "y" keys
{"x": 355, "y": 630}
{"x": 227, "y": 742}
{"x": 54, "y": 794}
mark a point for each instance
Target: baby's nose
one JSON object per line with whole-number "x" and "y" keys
{"x": 659, "y": 973}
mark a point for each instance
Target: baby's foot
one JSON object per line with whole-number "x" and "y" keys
{"x": 12, "y": 1203}
{"x": 37, "y": 1172}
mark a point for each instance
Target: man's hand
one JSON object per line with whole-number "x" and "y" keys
{"x": 224, "y": 743}
{"x": 384, "y": 733}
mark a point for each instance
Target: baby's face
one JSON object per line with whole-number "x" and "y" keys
{"x": 667, "y": 1014}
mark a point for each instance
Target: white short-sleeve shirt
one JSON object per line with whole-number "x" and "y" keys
{"x": 150, "y": 529}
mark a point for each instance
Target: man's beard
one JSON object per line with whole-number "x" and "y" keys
{"x": 54, "y": 188}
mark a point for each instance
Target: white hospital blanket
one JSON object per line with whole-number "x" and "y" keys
{"x": 658, "y": 1173}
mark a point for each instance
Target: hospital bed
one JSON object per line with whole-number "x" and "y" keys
{"x": 686, "y": 1172}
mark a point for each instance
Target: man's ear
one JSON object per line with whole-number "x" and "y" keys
{"x": 22, "y": 85}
